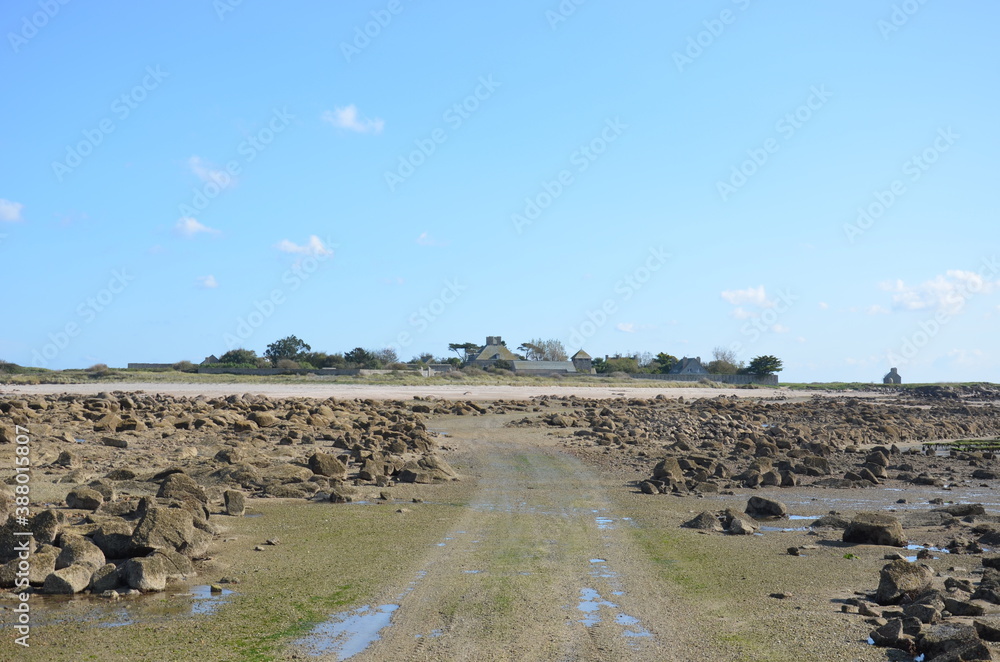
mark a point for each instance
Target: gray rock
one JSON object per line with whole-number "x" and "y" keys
{"x": 955, "y": 640}
{"x": 761, "y": 508}
{"x": 164, "y": 528}
{"x": 875, "y": 529}
{"x": 705, "y": 521}
{"x": 69, "y": 580}
{"x": 114, "y": 538}
{"x": 84, "y": 498}
{"x": 901, "y": 578}
{"x": 77, "y": 550}
{"x": 235, "y": 503}
{"x": 146, "y": 573}
{"x": 105, "y": 578}
{"x": 324, "y": 464}
{"x": 181, "y": 487}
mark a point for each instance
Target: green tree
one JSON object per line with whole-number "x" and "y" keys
{"x": 764, "y": 365}
{"x": 239, "y": 357}
{"x": 664, "y": 362}
{"x": 462, "y": 348}
{"x": 287, "y": 348}
{"x": 724, "y": 362}
{"x": 544, "y": 350}
{"x": 359, "y": 357}
{"x": 618, "y": 364}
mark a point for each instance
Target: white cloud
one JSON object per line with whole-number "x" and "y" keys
{"x": 313, "y": 247}
{"x": 627, "y": 327}
{"x": 10, "y": 211}
{"x": 206, "y": 173}
{"x": 800, "y": 339}
{"x": 967, "y": 357}
{"x": 752, "y": 295}
{"x": 948, "y": 292}
{"x": 780, "y": 328}
{"x": 823, "y": 305}
{"x": 876, "y": 310}
{"x": 208, "y": 282}
{"x": 189, "y": 227}
{"x": 741, "y": 313}
{"x": 426, "y": 240}
{"x": 347, "y": 118}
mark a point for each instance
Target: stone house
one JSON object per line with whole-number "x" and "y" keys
{"x": 688, "y": 366}
{"x": 892, "y": 377}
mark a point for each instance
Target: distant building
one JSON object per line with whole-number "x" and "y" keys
{"x": 210, "y": 360}
{"x": 495, "y": 350}
{"x": 892, "y": 378}
{"x": 688, "y": 366}
{"x": 583, "y": 362}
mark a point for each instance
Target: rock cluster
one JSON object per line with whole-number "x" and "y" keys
{"x": 142, "y": 474}
{"x": 713, "y": 444}
{"x": 942, "y": 618}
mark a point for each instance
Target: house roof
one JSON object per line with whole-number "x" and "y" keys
{"x": 494, "y": 352}
{"x": 580, "y": 355}
{"x": 690, "y": 365}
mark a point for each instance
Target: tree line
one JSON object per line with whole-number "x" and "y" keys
{"x": 292, "y": 353}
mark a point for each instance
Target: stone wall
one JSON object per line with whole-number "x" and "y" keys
{"x": 766, "y": 380}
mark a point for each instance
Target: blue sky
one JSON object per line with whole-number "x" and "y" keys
{"x": 815, "y": 181}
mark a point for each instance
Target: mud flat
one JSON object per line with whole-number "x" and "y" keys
{"x": 545, "y": 548}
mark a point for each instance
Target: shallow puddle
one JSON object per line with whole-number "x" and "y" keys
{"x": 348, "y": 633}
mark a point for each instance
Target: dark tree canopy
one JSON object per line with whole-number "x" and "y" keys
{"x": 287, "y": 348}
{"x": 764, "y": 365}
{"x": 239, "y": 357}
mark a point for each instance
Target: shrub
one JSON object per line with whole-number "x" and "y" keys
{"x": 620, "y": 375}
{"x": 503, "y": 364}
{"x": 287, "y": 364}
{"x": 10, "y": 368}
{"x": 99, "y": 370}
{"x": 185, "y": 366}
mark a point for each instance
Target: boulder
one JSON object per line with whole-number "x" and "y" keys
{"x": 324, "y": 464}
{"x": 705, "y": 521}
{"x": 114, "y": 538}
{"x": 875, "y": 529}
{"x": 235, "y": 503}
{"x": 84, "y": 498}
{"x": 952, "y": 642}
{"x": 761, "y": 508}
{"x": 181, "y": 487}
{"x": 164, "y": 528}
{"x": 146, "y": 573}
{"x": 902, "y": 578}
{"x": 77, "y": 550}
{"x": 45, "y": 526}
{"x": 69, "y": 580}
{"x": 105, "y": 578}
{"x": 668, "y": 469}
